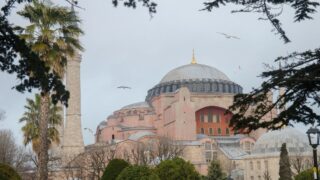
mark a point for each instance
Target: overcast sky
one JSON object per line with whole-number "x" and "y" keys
{"x": 127, "y": 47}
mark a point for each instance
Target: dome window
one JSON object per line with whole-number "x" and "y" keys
{"x": 214, "y": 87}
{"x": 207, "y": 87}
{"x": 226, "y": 88}
{"x": 168, "y": 89}
{"x": 220, "y": 88}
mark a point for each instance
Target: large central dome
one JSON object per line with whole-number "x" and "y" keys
{"x": 194, "y": 72}
{"x": 198, "y": 78}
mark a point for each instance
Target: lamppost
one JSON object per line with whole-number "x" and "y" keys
{"x": 314, "y": 136}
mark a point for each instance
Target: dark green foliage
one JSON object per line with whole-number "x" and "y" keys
{"x": 305, "y": 175}
{"x": 284, "y": 164}
{"x": 114, "y": 168}
{"x": 133, "y": 4}
{"x": 176, "y": 169}
{"x": 8, "y": 173}
{"x": 215, "y": 171}
{"x": 16, "y": 57}
{"x": 300, "y": 77}
{"x": 137, "y": 173}
{"x": 271, "y": 9}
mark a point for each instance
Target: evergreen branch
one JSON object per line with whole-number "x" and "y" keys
{"x": 133, "y": 4}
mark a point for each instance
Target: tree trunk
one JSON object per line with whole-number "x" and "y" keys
{"x": 43, "y": 133}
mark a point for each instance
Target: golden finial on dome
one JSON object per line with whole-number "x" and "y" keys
{"x": 194, "y": 61}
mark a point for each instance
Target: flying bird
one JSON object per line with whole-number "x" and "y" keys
{"x": 124, "y": 87}
{"x": 88, "y": 129}
{"x": 228, "y": 36}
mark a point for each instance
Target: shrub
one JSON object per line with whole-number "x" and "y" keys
{"x": 137, "y": 173}
{"x": 114, "y": 168}
{"x": 305, "y": 175}
{"x": 215, "y": 171}
{"x": 176, "y": 169}
{"x": 8, "y": 173}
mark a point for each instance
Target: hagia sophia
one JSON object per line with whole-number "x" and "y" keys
{"x": 187, "y": 107}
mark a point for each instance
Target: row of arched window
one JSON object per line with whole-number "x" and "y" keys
{"x": 211, "y": 131}
{"x": 223, "y": 87}
{"x": 211, "y": 118}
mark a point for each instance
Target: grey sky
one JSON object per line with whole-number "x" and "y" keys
{"x": 126, "y": 47}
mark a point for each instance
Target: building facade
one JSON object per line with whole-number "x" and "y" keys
{"x": 188, "y": 105}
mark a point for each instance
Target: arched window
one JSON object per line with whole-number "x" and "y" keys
{"x": 227, "y": 131}
{"x": 202, "y": 117}
{"x": 210, "y": 117}
{"x": 219, "y": 131}
{"x": 220, "y": 86}
{"x": 174, "y": 87}
{"x": 141, "y": 117}
{"x": 214, "y": 87}
{"x": 202, "y": 131}
{"x": 217, "y": 118}
{"x": 210, "y": 131}
{"x": 207, "y": 87}
{"x": 112, "y": 136}
{"x": 226, "y": 88}
{"x": 168, "y": 88}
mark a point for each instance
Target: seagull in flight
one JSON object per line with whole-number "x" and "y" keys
{"x": 124, "y": 87}
{"x": 88, "y": 129}
{"x": 228, "y": 36}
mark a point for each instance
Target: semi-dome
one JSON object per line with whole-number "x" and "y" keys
{"x": 194, "y": 72}
{"x": 197, "y": 78}
{"x": 102, "y": 125}
{"x": 137, "y": 105}
{"x": 271, "y": 142}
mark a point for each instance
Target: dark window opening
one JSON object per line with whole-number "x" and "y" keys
{"x": 202, "y": 117}
{"x": 210, "y": 119}
{"x": 211, "y": 131}
{"x": 219, "y": 131}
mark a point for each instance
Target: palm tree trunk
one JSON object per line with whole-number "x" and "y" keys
{"x": 43, "y": 133}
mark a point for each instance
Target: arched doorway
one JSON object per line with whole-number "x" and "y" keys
{"x": 213, "y": 121}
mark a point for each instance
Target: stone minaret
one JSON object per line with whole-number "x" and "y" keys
{"x": 282, "y": 91}
{"x": 72, "y": 133}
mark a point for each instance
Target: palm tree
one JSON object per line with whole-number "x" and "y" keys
{"x": 31, "y": 119}
{"x": 52, "y": 34}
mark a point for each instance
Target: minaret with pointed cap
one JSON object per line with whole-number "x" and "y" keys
{"x": 194, "y": 61}
{"x": 282, "y": 91}
{"x": 72, "y": 137}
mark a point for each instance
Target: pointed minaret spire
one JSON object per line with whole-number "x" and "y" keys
{"x": 194, "y": 61}
{"x": 282, "y": 91}
{"x": 280, "y": 67}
